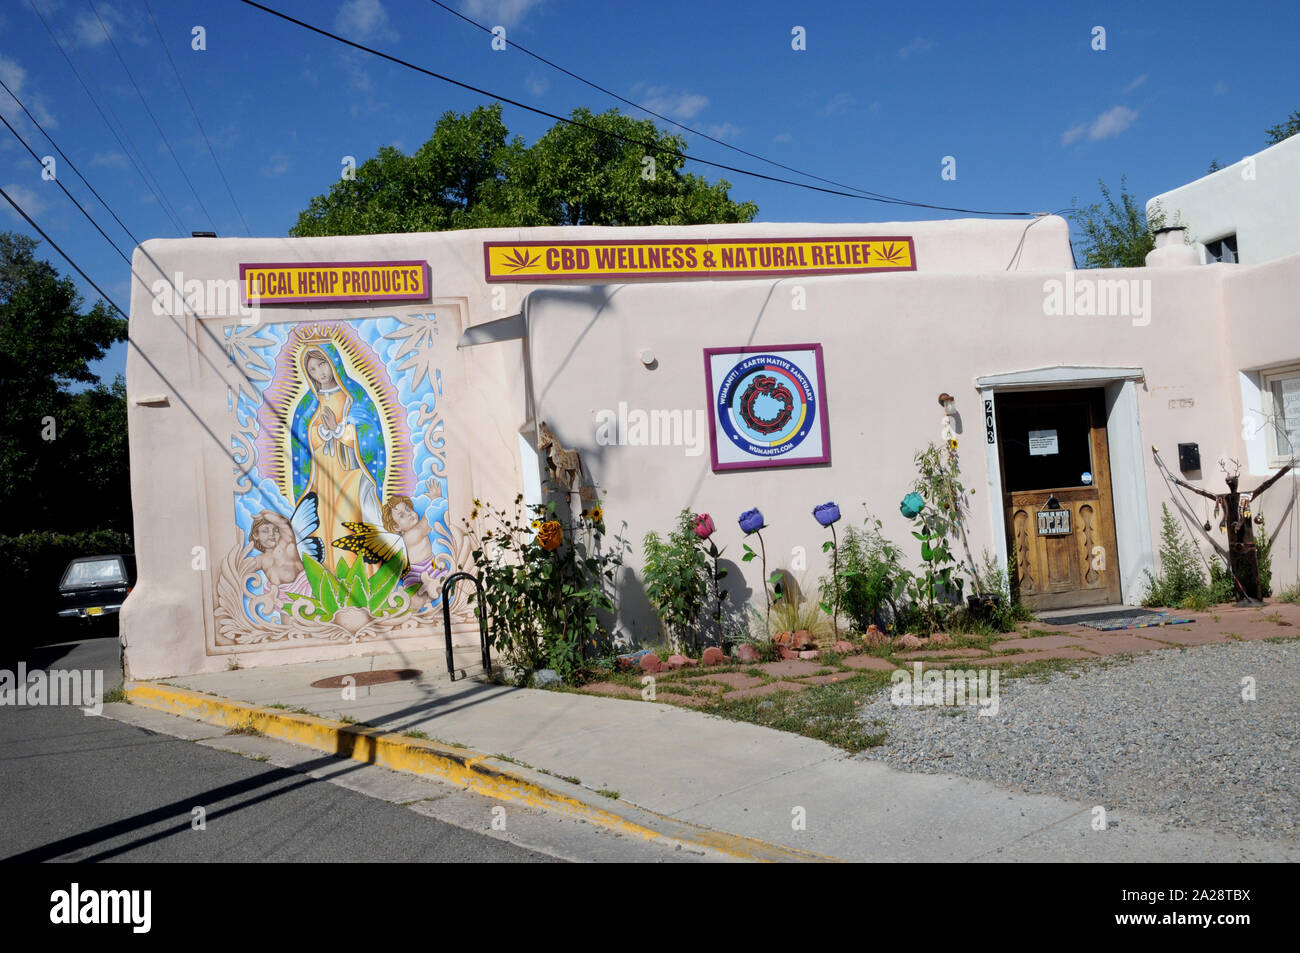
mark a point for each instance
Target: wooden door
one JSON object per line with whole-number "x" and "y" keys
{"x": 1057, "y": 497}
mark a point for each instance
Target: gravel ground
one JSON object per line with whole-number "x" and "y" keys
{"x": 1166, "y": 734}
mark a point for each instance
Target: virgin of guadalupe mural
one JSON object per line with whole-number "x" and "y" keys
{"x": 342, "y": 509}
{"x": 330, "y": 457}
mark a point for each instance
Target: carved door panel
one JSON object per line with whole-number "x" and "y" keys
{"x": 1057, "y": 497}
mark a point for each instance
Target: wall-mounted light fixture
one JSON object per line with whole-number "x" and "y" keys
{"x": 948, "y": 402}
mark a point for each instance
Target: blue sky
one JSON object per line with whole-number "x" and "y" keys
{"x": 1014, "y": 92}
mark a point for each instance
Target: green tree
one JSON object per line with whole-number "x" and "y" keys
{"x": 1120, "y": 234}
{"x": 1284, "y": 130}
{"x": 63, "y": 461}
{"x": 469, "y": 174}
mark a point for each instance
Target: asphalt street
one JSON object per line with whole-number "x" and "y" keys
{"x": 82, "y": 788}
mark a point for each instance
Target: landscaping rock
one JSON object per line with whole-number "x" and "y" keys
{"x": 680, "y": 661}
{"x": 940, "y": 638}
{"x": 802, "y": 640}
{"x": 649, "y": 662}
{"x": 631, "y": 660}
{"x": 875, "y": 637}
{"x": 545, "y": 678}
{"x": 911, "y": 642}
{"x": 844, "y": 648}
{"x": 786, "y": 652}
{"x": 809, "y": 654}
{"x": 713, "y": 656}
{"x": 748, "y": 653}
{"x": 783, "y": 638}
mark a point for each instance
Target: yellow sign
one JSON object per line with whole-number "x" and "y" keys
{"x": 708, "y": 258}
{"x": 317, "y": 282}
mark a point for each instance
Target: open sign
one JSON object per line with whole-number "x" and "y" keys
{"x": 1054, "y": 523}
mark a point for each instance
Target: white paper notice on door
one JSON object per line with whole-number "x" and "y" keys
{"x": 1043, "y": 443}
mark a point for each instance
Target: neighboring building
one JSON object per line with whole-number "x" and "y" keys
{"x": 391, "y": 379}
{"x": 1247, "y": 213}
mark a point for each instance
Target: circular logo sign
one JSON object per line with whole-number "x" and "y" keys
{"x": 1086, "y": 478}
{"x": 766, "y": 405}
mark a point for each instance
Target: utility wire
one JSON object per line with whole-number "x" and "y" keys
{"x": 680, "y": 125}
{"x": 167, "y": 142}
{"x": 613, "y": 135}
{"x": 67, "y": 162}
{"x": 140, "y": 168}
{"x": 85, "y": 277}
{"x": 198, "y": 122}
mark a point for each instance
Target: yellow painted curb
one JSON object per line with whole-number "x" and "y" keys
{"x": 460, "y": 766}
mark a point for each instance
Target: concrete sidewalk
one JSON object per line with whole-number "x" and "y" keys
{"x": 672, "y": 766}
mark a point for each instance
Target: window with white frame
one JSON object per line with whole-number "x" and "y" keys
{"x": 1280, "y": 393}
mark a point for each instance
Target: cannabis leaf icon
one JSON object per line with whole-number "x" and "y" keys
{"x": 519, "y": 260}
{"x": 890, "y": 253}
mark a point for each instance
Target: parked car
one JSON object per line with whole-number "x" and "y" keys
{"x": 94, "y": 587}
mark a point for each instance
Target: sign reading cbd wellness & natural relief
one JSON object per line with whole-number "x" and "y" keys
{"x": 768, "y": 406}
{"x": 319, "y": 282}
{"x": 703, "y": 258}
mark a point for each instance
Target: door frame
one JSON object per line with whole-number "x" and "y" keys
{"x": 1135, "y": 554}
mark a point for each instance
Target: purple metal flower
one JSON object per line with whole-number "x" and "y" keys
{"x": 827, "y": 513}
{"x": 751, "y": 521}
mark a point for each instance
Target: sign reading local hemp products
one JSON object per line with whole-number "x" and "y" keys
{"x": 320, "y": 282}
{"x": 767, "y": 406}
{"x": 698, "y": 258}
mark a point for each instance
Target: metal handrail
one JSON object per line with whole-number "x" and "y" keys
{"x": 482, "y": 620}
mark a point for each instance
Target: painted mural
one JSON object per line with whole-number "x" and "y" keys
{"x": 341, "y": 495}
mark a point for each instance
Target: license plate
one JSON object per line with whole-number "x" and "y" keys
{"x": 1053, "y": 522}
{"x": 95, "y": 610}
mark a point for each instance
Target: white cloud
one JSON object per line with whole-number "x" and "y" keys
{"x": 498, "y": 12}
{"x": 782, "y": 137}
{"x": 723, "y": 130}
{"x": 366, "y": 19}
{"x": 1137, "y": 81}
{"x": 15, "y": 77}
{"x": 1110, "y": 123}
{"x": 678, "y": 104}
{"x": 277, "y": 164}
{"x": 918, "y": 45}
{"x": 1220, "y": 88}
{"x": 837, "y": 103}
{"x": 109, "y": 160}
{"x": 27, "y": 198}
{"x": 537, "y": 84}
{"x": 89, "y": 30}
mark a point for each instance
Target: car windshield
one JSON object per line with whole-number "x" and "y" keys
{"x": 88, "y": 571}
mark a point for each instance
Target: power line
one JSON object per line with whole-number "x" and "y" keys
{"x": 197, "y": 121}
{"x": 167, "y": 142}
{"x": 680, "y": 125}
{"x": 604, "y": 132}
{"x": 140, "y": 166}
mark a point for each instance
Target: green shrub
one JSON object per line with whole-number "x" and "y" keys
{"x": 677, "y": 576}
{"x": 1264, "y": 557}
{"x": 991, "y": 578}
{"x": 1181, "y": 577}
{"x": 869, "y": 570}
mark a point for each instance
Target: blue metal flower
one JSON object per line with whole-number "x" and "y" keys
{"x": 911, "y": 505}
{"x": 827, "y": 513}
{"x": 751, "y": 521}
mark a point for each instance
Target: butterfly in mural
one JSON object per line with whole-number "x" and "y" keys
{"x": 373, "y": 544}
{"x": 305, "y": 522}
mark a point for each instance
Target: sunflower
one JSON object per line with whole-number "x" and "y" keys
{"x": 952, "y": 443}
{"x": 597, "y": 514}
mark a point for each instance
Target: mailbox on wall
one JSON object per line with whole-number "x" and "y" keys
{"x": 1189, "y": 456}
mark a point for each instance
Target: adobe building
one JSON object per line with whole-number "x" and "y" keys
{"x": 299, "y": 405}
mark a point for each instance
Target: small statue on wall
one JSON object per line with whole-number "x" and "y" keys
{"x": 564, "y": 466}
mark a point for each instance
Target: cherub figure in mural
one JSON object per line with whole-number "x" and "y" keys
{"x": 281, "y": 543}
{"x": 405, "y": 534}
{"x": 338, "y": 475}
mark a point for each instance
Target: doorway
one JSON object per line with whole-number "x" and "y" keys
{"x": 1054, "y": 457}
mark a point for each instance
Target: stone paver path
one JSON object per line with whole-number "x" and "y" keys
{"x": 1032, "y": 642}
